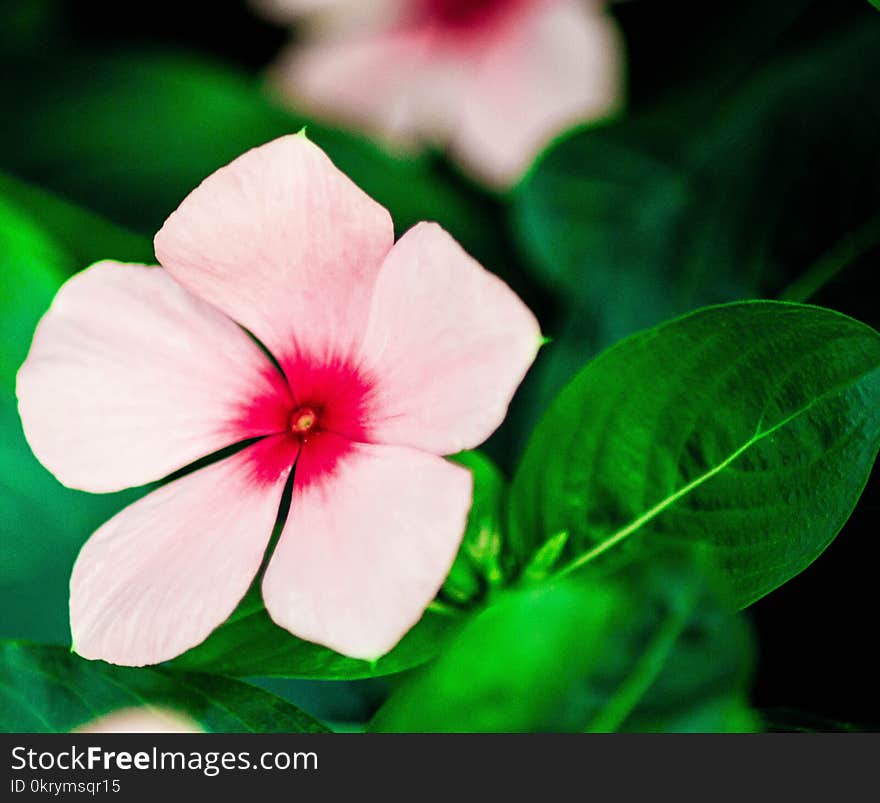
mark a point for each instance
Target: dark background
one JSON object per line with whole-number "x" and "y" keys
{"x": 818, "y": 634}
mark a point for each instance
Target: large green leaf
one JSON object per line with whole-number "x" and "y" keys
{"x": 49, "y": 689}
{"x": 749, "y": 428}
{"x": 650, "y": 647}
{"x": 249, "y": 643}
{"x": 130, "y": 134}
{"x": 42, "y": 523}
{"x": 710, "y": 197}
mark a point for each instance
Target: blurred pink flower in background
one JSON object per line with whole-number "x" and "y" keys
{"x": 142, "y": 719}
{"x": 392, "y": 355}
{"x": 493, "y": 81}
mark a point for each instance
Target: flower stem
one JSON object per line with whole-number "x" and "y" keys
{"x": 842, "y": 254}
{"x": 630, "y": 693}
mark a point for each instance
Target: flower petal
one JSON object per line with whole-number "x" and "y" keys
{"x": 283, "y": 243}
{"x": 331, "y": 15}
{"x": 286, "y": 10}
{"x": 130, "y": 377}
{"x": 366, "y": 548}
{"x": 145, "y": 719}
{"x": 560, "y": 65}
{"x": 448, "y": 344}
{"x": 158, "y": 577}
{"x": 383, "y": 82}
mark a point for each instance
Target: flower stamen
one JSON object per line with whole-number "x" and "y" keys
{"x": 303, "y": 420}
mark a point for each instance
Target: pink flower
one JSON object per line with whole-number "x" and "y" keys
{"x": 392, "y": 354}
{"x": 145, "y": 719}
{"x": 493, "y": 80}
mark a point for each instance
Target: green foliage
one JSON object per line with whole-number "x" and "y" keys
{"x": 49, "y": 689}
{"x": 663, "y": 212}
{"x": 545, "y": 558}
{"x": 650, "y": 646}
{"x": 249, "y": 643}
{"x": 83, "y": 236}
{"x": 42, "y": 523}
{"x": 43, "y": 240}
{"x": 131, "y": 134}
{"x": 479, "y": 564}
{"x": 722, "y": 193}
{"x": 511, "y": 669}
{"x": 749, "y": 428}
{"x": 31, "y": 266}
{"x": 680, "y": 660}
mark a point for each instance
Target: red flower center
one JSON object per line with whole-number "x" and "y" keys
{"x": 323, "y": 410}
{"x": 303, "y": 420}
{"x": 464, "y": 13}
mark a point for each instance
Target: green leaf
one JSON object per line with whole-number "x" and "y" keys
{"x": 651, "y": 647}
{"x": 511, "y": 668}
{"x": 725, "y": 714}
{"x": 249, "y": 643}
{"x": 749, "y": 428}
{"x": 545, "y": 557}
{"x": 132, "y": 133}
{"x": 49, "y": 689}
{"x": 42, "y": 523}
{"x": 84, "y": 236}
{"x": 875, "y": 3}
{"x": 479, "y": 564}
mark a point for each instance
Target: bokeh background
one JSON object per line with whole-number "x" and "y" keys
{"x": 746, "y": 157}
